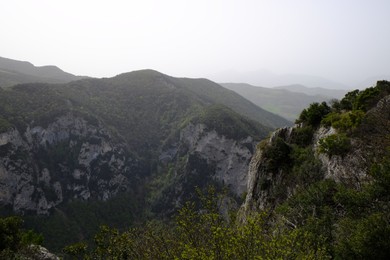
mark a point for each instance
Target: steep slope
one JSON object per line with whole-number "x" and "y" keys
{"x": 328, "y": 175}
{"x": 14, "y": 72}
{"x": 138, "y": 144}
{"x": 279, "y": 101}
{"x": 210, "y": 92}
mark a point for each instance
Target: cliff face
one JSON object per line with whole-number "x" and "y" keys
{"x": 69, "y": 159}
{"x": 72, "y": 158}
{"x": 229, "y": 157}
{"x": 200, "y": 157}
{"x": 264, "y": 181}
{"x": 281, "y": 164}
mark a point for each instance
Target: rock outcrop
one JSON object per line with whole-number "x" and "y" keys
{"x": 272, "y": 178}
{"x": 269, "y": 186}
{"x": 71, "y": 158}
{"x": 229, "y": 157}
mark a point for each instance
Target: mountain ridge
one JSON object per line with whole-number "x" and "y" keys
{"x": 14, "y": 72}
{"x": 277, "y": 100}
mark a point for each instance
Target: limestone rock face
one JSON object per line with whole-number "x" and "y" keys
{"x": 265, "y": 182}
{"x": 200, "y": 157}
{"x": 350, "y": 169}
{"x": 70, "y": 158}
{"x": 369, "y": 144}
{"x": 229, "y": 157}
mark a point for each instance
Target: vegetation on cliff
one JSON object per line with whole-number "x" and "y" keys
{"x": 343, "y": 209}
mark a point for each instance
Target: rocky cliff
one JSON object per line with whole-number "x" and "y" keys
{"x": 71, "y": 158}
{"x": 341, "y": 146}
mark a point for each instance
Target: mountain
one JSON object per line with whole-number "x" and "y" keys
{"x": 280, "y": 101}
{"x": 14, "y": 72}
{"x": 120, "y": 150}
{"x": 328, "y": 93}
{"x": 328, "y": 176}
{"x": 269, "y": 79}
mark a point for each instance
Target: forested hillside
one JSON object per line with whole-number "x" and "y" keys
{"x": 121, "y": 150}
{"x": 318, "y": 190}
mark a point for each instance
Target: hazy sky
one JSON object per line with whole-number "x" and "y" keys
{"x": 343, "y": 40}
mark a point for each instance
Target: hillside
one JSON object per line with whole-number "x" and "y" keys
{"x": 328, "y": 175}
{"x": 138, "y": 144}
{"x": 270, "y": 79}
{"x": 283, "y": 102}
{"x": 318, "y": 190}
{"x": 326, "y": 92}
{"x": 14, "y": 72}
{"x": 310, "y": 186}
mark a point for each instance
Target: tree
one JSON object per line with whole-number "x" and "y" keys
{"x": 314, "y": 114}
{"x": 14, "y": 242}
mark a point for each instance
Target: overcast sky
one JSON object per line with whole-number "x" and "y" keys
{"x": 342, "y": 40}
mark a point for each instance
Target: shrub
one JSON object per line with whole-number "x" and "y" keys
{"x": 4, "y": 125}
{"x": 277, "y": 154}
{"x": 302, "y": 136}
{"x": 345, "y": 122}
{"x": 349, "y": 99}
{"x": 314, "y": 114}
{"x": 336, "y": 144}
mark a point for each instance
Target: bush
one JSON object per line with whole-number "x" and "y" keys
{"x": 302, "y": 136}
{"x": 4, "y": 125}
{"x": 203, "y": 234}
{"x": 336, "y": 144}
{"x": 345, "y": 122}
{"x": 348, "y": 101}
{"x": 366, "y": 99}
{"x": 314, "y": 114}
{"x": 277, "y": 154}
{"x": 15, "y": 243}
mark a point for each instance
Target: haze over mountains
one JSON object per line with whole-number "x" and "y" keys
{"x": 278, "y": 100}
{"x": 14, "y": 72}
{"x": 287, "y": 101}
{"x": 325, "y": 92}
{"x": 266, "y": 78}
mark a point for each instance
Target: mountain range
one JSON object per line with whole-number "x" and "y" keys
{"x": 15, "y": 72}
{"x": 269, "y": 79}
{"x": 287, "y": 101}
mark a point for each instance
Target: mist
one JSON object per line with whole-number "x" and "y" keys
{"x": 344, "y": 42}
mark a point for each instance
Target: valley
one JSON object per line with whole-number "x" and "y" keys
{"x": 188, "y": 168}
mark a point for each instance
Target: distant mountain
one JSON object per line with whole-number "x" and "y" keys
{"x": 15, "y": 72}
{"x": 267, "y": 78}
{"x": 329, "y": 93}
{"x": 276, "y": 100}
